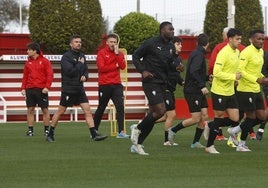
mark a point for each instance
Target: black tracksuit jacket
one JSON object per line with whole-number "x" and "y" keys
{"x": 71, "y": 72}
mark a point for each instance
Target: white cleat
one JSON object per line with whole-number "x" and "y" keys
{"x": 233, "y": 136}
{"x": 167, "y": 143}
{"x": 138, "y": 149}
{"x": 211, "y": 149}
{"x": 242, "y": 148}
{"x": 135, "y": 132}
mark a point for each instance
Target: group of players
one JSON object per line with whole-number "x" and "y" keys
{"x": 236, "y": 74}
{"x": 235, "y": 77}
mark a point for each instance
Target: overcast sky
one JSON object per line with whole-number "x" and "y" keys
{"x": 184, "y": 14}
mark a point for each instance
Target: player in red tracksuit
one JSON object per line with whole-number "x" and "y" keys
{"x": 36, "y": 82}
{"x": 109, "y": 62}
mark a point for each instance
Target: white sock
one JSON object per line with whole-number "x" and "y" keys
{"x": 236, "y": 129}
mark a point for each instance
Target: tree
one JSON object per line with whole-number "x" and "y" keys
{"x": 10, "y": 12}
{"x": 134, "y": 28}
{"x": 52, "y": 23}
{"x": 245, "y": 18}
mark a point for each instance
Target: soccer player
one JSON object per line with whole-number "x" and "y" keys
{"x": 211, "y": 64}
{"x": 36, "y": 82}
{"x": 174, "y": 78}
{"x": 250, "y": 98}
{"x": 74, "y": 72}
{"x": 223, "y": 90}
{"x": 153, "y": 60}
{"x": 195, "y": 92}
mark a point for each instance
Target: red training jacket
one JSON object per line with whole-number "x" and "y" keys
{"x": 109, "y": 65}
{"x": 37, "y": 73}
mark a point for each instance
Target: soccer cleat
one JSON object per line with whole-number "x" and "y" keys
{"x": 242, "y": 148}
{"x": 252, "y": 136}
{"x": 206, "y": 131}
{"x": 197, "y": 145}
{"x": 220, "y": 138}
{"x": 135, "y": 132}
{"x": 211, "y": 149}
{"x": 99, "y": 137}
{"x": 122, "y": 135}
{"x": 50, "y": 138}
{"x": 230, "y": 142}
{"x": 138, "y": 149}
{"x": 167, "y": 143}
{"x": 29, "y": 133}
{"x": 171, "y": 136}
{"x": 233, "y": 136}
{"x": 259, "y": 134}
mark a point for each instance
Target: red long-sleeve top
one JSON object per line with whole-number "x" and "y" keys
{"x": 215, "y": 52}
{"x": 109, "y": 65}
{"x": 37, "y": 73}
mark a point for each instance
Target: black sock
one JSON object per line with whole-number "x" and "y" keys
{"x": 30, "y": 129}
{"x": 46, "y": 127}
{"x": 146, "y": 126}
{"x": 197, "y": 136}
{"x": 214, "y": 130}
{"x": 93, "y": 132}
{"x": 220, "y": 132}
{"x": 246, "y": 127}
{"x": 166, "y": 136}
{"x": 51, "y": 130}
{"x": 177, "y": 127}
{"x": 262, "y": 125}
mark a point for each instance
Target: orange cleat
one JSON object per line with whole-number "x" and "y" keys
{"x": 220, "y": 138}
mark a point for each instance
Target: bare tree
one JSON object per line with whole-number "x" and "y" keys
{"x": 9, "y": 12}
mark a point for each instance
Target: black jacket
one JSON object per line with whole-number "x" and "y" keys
{"x": 155, "y": 56}
{"x": 196, "y": 72}
{"x": 174, "y": 76}
{"x": 71, "y": 72}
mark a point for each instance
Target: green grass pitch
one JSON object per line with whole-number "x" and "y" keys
{"x": 74, "y": 161}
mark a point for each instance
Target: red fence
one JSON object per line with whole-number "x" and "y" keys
{"x": 16, "y": 44}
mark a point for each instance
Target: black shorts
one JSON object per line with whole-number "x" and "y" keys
{"x": 169, "y": 100}
{"x": 34, "y": 96}
{"x": 68, "y": 99}
{"x": 248, "y": 101}
{"x": 155, "y": 93}
{"x": 221, "y": 102}
{"x": 266, "y": 96}
{"x": 196, "y": 102}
